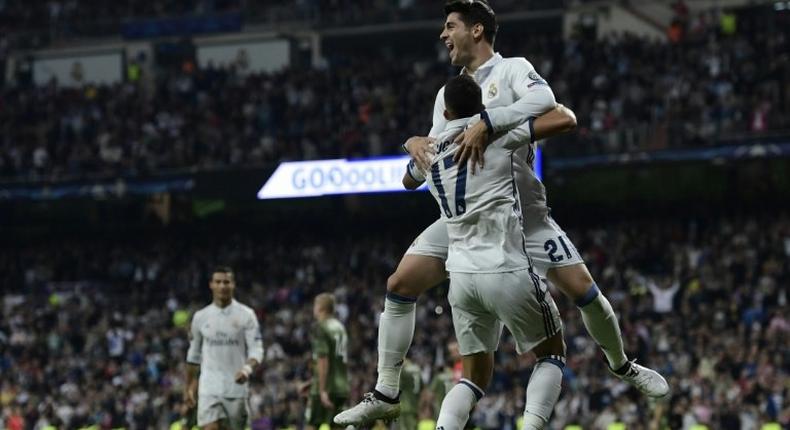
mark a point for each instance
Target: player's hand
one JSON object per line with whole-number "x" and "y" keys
{"x": 472, "y": 143}
{"x": 243, "y": 375}
{"x": 325, "y": 400}
{"x": 190, "y": 397}
{"x": 420, "y": 150}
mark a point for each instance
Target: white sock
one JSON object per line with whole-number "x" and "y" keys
{"x": 457, "y": 405}
{"x": 543, "y": 391}
{"x": 396, "y": 330}
{"x": 601, "y": 323}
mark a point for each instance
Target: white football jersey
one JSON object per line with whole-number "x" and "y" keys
{"x": 221, "y": 342}
{"x": 512, "y": 91}
{"x": 481, "y": 211}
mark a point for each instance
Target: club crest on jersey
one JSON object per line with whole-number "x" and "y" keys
{"x": 492, "y": 90}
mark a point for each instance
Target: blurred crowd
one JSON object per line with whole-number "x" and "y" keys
{"x": 93, "y": 332}
{"x": 713, "y": 85}
{"x": 53, "y": 22}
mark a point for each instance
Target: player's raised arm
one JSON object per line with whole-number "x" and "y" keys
{"x": 553, "y": 123}
{"x": 533, "y": 96}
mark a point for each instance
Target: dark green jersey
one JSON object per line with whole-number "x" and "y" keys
{"x": 441, "y": 383}
{"x": 410, "y": 386}
{"x": 329, "y": 339}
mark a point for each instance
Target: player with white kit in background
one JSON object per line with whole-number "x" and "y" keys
{"x": 225, "y": 346}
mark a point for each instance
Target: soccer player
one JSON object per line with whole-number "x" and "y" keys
{"x": 330, "y": 386}
{"x": 225, "y": 347}
{"x": 512, "y": 92}
{"x": 491, "y": 277}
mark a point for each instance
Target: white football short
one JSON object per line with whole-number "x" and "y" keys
{"x": 235, "y": 411}
{"x": 483, "y": 302}
{"x": 546, "y": 243}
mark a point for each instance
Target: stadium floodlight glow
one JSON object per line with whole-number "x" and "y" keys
{"x": 295, "y": 179}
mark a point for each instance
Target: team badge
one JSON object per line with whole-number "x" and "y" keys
{"x": 492, "y": 90}
{"x": 534, "y": 75}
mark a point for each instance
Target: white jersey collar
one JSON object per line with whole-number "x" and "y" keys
{"x": 493, "y": 61}
{"x": 226, "y": 308}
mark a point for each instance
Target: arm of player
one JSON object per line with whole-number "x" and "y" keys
{"x": 194, "y": 356}
{"x": 533, "y": 98}
{"x": 252, "y": 337}
{"x": 413, "y": 177}
{"x": 553, "y": 123}
{"x": 320, "y": 345}
{"x": 323, "y": 371}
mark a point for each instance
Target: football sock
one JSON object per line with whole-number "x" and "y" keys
{"x": 543, "y": 390}
{"x": 396, "y": 330}
{"x": 457, "y": 404}
{"x": 601, "y": 323}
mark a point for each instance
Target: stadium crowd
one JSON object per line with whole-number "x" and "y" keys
{"x": 93, "y": 332}
{"x": 630, "y": 94}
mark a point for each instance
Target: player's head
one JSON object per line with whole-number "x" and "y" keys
{"x": 462, "y": 97}
{"x": 222, "y": 284}
{"x": 323, "y": 306}
{"x": 468, "y": 24}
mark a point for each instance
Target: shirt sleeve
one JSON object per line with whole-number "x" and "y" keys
{"x": 252, "y": 335}
{"x": 194, "y": 354}
{"x": 522, "y": 135}
{"x": 533, "y": 97}
{"x": 439, "y": 121}
{"x": 319, "y": 342}
{"x": 415, "y": 172}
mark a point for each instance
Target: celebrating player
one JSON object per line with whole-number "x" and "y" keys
{"x": 491, "y": 277}
{"x": 224, "y": 347}
{"x": 512, "y": 92}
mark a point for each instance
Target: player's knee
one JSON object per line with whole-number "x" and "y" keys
{"x": 574, "y": 281}
{"x": 400, "y": 285}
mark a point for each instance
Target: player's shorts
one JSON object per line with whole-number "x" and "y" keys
{"x": 317, "y": 414}
{"x": 546, "y": 243}
{"x": 235, "y": 410}
{"x": 483, "y": 302}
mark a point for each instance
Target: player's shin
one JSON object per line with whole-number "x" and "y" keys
{"x": 601, "y": 322}
{"x": 396, "y": 330}
{"x": 457, "y": 405}
{"x": 543, "y": 391}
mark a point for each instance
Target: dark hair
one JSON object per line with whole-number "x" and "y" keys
{"x": 475, "y": 12}
{"x": 463, "y": 97}
{"x": 222, "y": 269}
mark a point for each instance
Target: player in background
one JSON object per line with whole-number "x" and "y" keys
{"x": 225, "y": 347}
{"x": 330, "y": 385}
{"x": 492, "y": 282}
{"x": 411, "y": 386}
{"x": 512, "y": 93}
